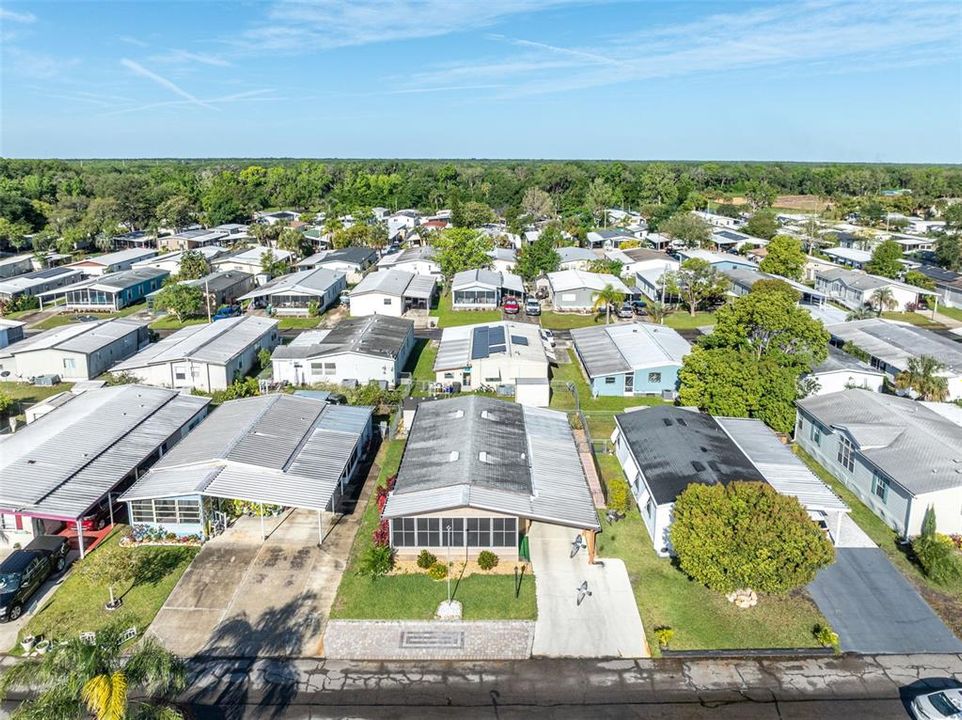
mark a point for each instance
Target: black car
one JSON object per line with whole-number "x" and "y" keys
{"x": 638, "y": 306}
{"x": 24, "y": 571}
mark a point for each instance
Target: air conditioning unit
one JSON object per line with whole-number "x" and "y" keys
{"x": 46, "y": 380}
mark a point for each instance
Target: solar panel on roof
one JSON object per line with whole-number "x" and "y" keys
{"x": 493, "y": 349}
{"x": 479, "y": 343}
{"x": 496, "y": 336}
{"x": 519, "y": 340}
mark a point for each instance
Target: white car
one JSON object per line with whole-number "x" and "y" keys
{"x": 548, "y": 337}
{"x": 938, "y": 705}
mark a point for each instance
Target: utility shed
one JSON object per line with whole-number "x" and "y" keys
{"x": 204, "y": 357}
{"x": 57, "y": 468}
{"x": 477, "y": 471}
{"x": 77, "y": 351}
{"x": 286, "y": 450}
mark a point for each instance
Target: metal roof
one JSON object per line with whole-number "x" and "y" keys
{"x": 80, "y": 337}
{"x": 306, "y": 282}
{"x": 25, "y": 282}
{"x": 895, "y": 343}
{"x": 113, "y": 282}
{"x": 576, "y": 254}
{"x": 388, "y": 282}
{"x": 917, "y": 448}
{"x": 216, "y": 343}
{"x": 840, "y": 361}
{"x": 278, "y": 449}
{"x": 492, "y": 455}
{"x": 566, "y": 280}
{"x": 377, "y": 335}
{"x": 674, "y": 447}
{"x": 746, "y": 278}
{"x": 461, "y": 344}
{"x": 620, "y": 348}
{"x": 58, "y": 466}
{"x": 117, "y": 258}
{"x": 780, "y": 467}
{"x": 252, "y": 256}
{"x": 422, "y": 287}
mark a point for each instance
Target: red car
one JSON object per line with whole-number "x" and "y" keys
{"x": 511, "y": 306}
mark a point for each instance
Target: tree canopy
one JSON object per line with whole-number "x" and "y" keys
{"x": 538, "y": 257}
{"x": 785, "y": 257}
{"x": 762, "y": 224}
{"x": 688, "y": 228}
{"x": 885, "y": 260}
{"x": 462, "y": 249}
{"x": 182, "y": 300}
{"x": 696, "y": 282}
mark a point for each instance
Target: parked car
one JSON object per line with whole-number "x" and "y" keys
{"x": 532, "y": 307}
{"x": 511, "y": 306}
{"x": 639, "y": 307}
{"x": 625, "y": 311}
{"x": 345, "y": 298}
{"x": 98, "y": 517}
{"x": 547, "y": 336}
{"x": 227, "y": 311}
{"x": 24, "y": 571}
{"x": 938, "y": 705}
{"x": 336, "y": 399}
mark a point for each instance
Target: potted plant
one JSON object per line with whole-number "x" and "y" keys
{"x": 42, "y": 647}
{"x": 27, "y": 643}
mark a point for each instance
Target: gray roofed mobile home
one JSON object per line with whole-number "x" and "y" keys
{"x": 487, "y": 278}
{"x": 611, "y": 349}
{"x": 113, "y": 282}
{"x": 37, "y": 282}
{"x": 377, "y": 335}
{"x": 576, "y": 254}
{"x": 919, "y": 449}
{"x": 675, "y": 447}
{"x": 280, "y": 449}
{"x": 492, "y": 455}
{"x": 895, "y": 343}
{"x": 389, "y": 282}
{"x": 82, "y": 337}
{"x": 57, "y": 467}
{"x": 839, "y": 361}
{"x": 308, "y": 282}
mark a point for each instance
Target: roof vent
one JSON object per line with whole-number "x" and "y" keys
{"x": 454, "y": 456}
{"x": 457, "y": 414}
{"x": 699, "y": 467}
{"x": 486, "y": 415}
{"x": 484, "y": 457}
{"x": 667, "y": 421}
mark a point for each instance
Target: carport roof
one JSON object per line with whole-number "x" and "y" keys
{"x": 277, "y": 449}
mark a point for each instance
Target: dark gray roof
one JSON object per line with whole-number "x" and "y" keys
{"x": 355, "y": 254}
{"x": 839, "y": 360}
{"x": 378, "y": 335}
{"x": 220, "y": 280}
{"x": 675, "y": 447}
{"x": 466, "y": 441}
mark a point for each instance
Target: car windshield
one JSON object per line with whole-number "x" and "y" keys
{"x": 945, "y": 705}
{"x": 9, "y": 582}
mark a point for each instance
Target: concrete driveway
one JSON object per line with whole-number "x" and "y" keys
{"x": 10, "y": 630}
{"x": 242, "y": 596}
{"x": 875, "y": 609}
{"x": 605, "y": 625}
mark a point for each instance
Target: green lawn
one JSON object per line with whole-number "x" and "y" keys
{"x": 914, "y": 318}
{"x": 701, "y": 618}
{"x": 77, "y": 606}
{"x": 298, "y": 323}
{"x": 681, "y": 320}
{"x": 954, "y": 313}
{"x": 567, "y": 321}
{"x": 416, "y": 596}
{"x": 421, "y": 361}
{"x": 26, "y": 394}
{"x": 170, "y": 322}
{"x": 945, "y": 600}
{"x": 64, "y": 318}
{"x": 447, "y": 317}
{"x": 53, "y": 321}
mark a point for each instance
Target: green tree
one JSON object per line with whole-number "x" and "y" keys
{"x": 182, "y": 300}
{"x": 886, "y": 260}
{"x": 274, "y": 266}
{"x": 538, "y": 258}
{"x": 953, "y": 217}
{"x": 923, "y": 376}
{"x": 917, "y": 279}
{"x": 360, "y": 234}
{"x": 928, "y": 522}
{"x": 883, "y": 299}
{"x": 598, "y": 198}
{"x": 175, "y": 212}
{"x": 461, "y": 249}
{"x": 475, "y": 214}
{"x": 13, "y": 234}
{"x": 6, "y": 404}
{"x": 747, "y": 535}
{"x": 78, "y": 679}
{"x": 656, "y": 310}
{"x": 872, "y": 212}
{"x": 948, "y": 250}
{"x": 294, "y": 242}
{"x": 605, "y": 266}
{"x": 605, "y": 298}
{"x": 696, "y": 282}
{"x": 760, "y": 195}
{"x": 537, "y": 204}
{"x": 762, "y": 224}
{"x": 687, "y": 228}
{"x": 785, "y": 258}
{"x": 193, "y": 265}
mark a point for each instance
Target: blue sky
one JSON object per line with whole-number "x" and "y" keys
{"x": 821, "y": 80}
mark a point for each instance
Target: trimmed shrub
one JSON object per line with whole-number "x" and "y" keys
{"x": 664, "y": 635}
{"x": 376, "y": 561}
{"x": 438, "y": 571}
{"x": 746, "y": 535}
{"x": 426, "y": 559}
{"x": 937, "y": 556}
{"x": 826, "y": 637}
{"x": 487, "y": 560}
{"x": 619, "y": 495}
{"x": 382, "y": 534}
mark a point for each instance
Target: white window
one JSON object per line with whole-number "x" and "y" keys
{"x": 654, "y": 377}
{"x": 569, "y": 297}
{"x": 880, "y": 486}
{"x": 69, "y": 363}
{"x": 816, "y": 434}
{"x": 846, "y": 454}
{"x": 387, "y": 301}
{"x": 330, "y": 368}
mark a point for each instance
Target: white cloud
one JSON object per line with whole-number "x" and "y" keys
{"x": 185, "y": 57}
{"x": 140, "y": 70}
{"x": 39, "y": 66}
{"x": 20, "y": 17}
{"x": 130, "y": 40}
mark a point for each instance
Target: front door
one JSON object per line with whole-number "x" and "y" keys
{"x": 629, "y": 383}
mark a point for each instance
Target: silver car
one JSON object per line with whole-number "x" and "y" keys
{"x": 938, "y": 705}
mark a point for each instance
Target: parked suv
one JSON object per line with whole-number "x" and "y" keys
{"x": 626, "y": 311}
{"x": 532, "y": 306}
{"x": 23, "y": 572}
{"x": 227, "y": 311}
{"x": 511, "y": 306}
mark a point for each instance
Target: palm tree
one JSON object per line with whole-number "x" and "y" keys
{"x": 922, "y": 377}
{"x": 605, "y": 298}
{"x": 657, "y": 311}
{"x": 862, "y": 313}
{"x": 883, "y": 299}
{"x": 77, "y": 677}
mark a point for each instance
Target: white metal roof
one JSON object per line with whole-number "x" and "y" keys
{"x": 896, "y": 343}
{"x": 566, "y": 280}
{"x": 307, "y": 282}
{"x": 620, "y": 348}
{"x": 521, "y": 340}
{"x": 80, "y": 337}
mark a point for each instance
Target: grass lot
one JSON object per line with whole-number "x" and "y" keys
{"x": 914, "y": 318}
{"x": 298, "y": 323}
{"x": 26, "y": 394}
{"x": 447, "y": 317}
{"x": 170, "y": 322}
{"x": 64, "y": 318}
{"x": 421, "y": 361}
{"x": 945, "y": 600}
{"x": 416, "y": 596}
{"x": 701, "y": 618}
{"x": 77, "y": 606}
{"x": 567, "y": 321}
{"x": 954, "y": 313}
{"x": 681, "y": 320}
{"x": 599, "y": 411}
